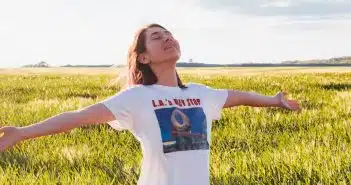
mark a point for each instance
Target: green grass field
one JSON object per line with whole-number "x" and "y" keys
{"x": 249, "y": 145}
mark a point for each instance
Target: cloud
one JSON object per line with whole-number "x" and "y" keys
{"x": 315, "y": 8}
{"x": 94, "y": 32}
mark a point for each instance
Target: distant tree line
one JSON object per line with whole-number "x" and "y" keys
{"x": 339, "y": 61}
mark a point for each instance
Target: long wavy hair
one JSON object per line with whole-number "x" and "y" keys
{"x": 139, "y": 73}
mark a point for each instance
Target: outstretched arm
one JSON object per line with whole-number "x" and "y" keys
{"x": 253, "y": 99}
{"x": 63, "y": 122}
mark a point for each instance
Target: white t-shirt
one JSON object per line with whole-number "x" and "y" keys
{"x": 173, "y": 126}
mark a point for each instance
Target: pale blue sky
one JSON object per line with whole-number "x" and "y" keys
{"x": 212, "y": 31}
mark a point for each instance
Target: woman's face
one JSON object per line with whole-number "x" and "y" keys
{"x": 160, "y": 46}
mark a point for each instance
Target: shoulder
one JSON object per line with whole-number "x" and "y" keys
{"x": 125, "y": 97}
{"x": 197, "y": 86}
{"x": 128, "y": 93}
{"x": 208, "y": 90}
{"x": 131, "y": 90}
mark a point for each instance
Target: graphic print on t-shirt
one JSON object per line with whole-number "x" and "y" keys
{"x": 182, "y": 129}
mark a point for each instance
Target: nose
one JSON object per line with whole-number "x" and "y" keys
{"x": 167, "y": 38}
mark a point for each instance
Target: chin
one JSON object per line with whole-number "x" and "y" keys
{"x": 174, "y": 58}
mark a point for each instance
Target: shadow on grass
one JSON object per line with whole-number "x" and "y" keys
{"x": 336, "y": 86}
{"x": 115, "y": 172}
{"x": 80, "y": 95}
{"x": 273, "y": 175}
{"x": 13, "y": 159}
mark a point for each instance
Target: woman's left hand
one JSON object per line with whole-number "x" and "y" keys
{"x": 285, "y": 103}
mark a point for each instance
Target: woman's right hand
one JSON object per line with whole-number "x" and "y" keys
{"x": 9, "y": 136}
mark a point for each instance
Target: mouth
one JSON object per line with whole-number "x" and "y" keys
{"x": 169, "y": 45}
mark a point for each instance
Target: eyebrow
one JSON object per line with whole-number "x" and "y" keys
{"x": 157, "y": 32}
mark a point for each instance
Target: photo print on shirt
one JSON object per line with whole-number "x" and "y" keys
{"x": 182, "y": 129}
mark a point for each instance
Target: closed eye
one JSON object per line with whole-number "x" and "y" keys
{"x": 156, "y": 38}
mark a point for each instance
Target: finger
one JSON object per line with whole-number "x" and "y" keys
{"x": 294, "y": 105}
{"x": 6, "y": 144}
{"x": 2, "y": 131}
{"x": 286, "y": 104}
{"x": 293, "y": 102}
{"x": 284, "y": 95}
{"x": 291, "y": 105}
{"x": 285, "y": 92}
{"x": 3, "y": 146}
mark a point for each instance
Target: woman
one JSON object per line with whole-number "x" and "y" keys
{"x": 146, "y": 109}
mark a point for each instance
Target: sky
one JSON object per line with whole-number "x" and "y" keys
{"x": 97, "y": 32}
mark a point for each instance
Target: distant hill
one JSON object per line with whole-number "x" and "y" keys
{"x": 40, "y": 64}
{"x": 338, "y": 60}
{"x": 103, "y": 65}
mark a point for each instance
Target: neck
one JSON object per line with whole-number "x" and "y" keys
{"x": 166, "y": 74}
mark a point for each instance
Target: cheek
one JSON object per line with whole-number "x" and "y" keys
{"x": 153, "y": 47}
{"x": 155, "y": 50}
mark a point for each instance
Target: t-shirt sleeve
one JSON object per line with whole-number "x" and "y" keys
{"x": 120, "y": 106}
{"x": 215, "y": 100}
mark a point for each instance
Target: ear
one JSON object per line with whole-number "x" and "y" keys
{"x": 143, "y": 58}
